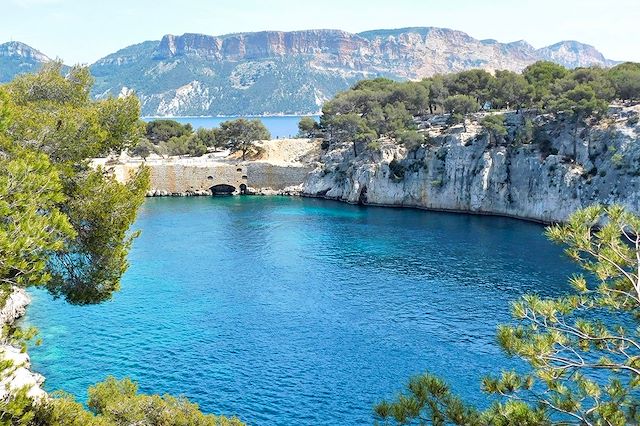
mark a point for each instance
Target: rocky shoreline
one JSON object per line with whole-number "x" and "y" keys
{"x": 19, "y": 375}
{"x": 560, "y": 167}
{"x": 289, "y": 192}
{"x": 543, "y": 179}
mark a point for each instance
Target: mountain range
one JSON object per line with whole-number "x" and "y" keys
{"x": 273, "y": 72}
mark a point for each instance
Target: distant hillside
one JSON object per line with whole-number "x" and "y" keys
{"x": 18, "y": 58}
{"x": 273, "y": 72}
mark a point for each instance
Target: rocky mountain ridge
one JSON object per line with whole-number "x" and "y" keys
{"x": 18, "y": 58}
{"x": 275, "y": 72}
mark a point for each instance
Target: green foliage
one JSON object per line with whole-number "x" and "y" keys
{"x": 53, "y": 113}
{"x": 349, "y": 128}
{"x": 461, "y": 104}
{"x": 411, "y": 139}
{"x": 89, "y": 267}
{"x": 542, "y": 75}
{"x": 580, "y": 101}
{"x": 308, "y": 127}
{"x": 33, "y": 225}
{"x": 510, "y": 90}
{"x": 143, "y": 149}
{"x": 527, "y": 132}
{"x": 386, "y": 108}
{"x": 172, "y": 138}
{"x": 240, "y": 135}
{"x": 87, "y": 213}
{"x": 473, "y": 83}
{"x": 429, "y": 400}
{"x": 118, "y": 403}
{"x": 626, "y": 80}
{"x": 438, "y": 92}
{"x": 494, "y": 125}
{"x": 162, "y": 130}
{"x": 183, "y": 145}
{"x": 583, "y": 348}
{"x": 207, "y": 137}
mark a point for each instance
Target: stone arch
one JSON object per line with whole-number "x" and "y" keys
{"x": 243, "y": 188}
{"x": 222, "y": 189}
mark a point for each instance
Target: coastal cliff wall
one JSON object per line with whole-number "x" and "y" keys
{"x": 563, "y": 168}
{"x": 18, "y": 375}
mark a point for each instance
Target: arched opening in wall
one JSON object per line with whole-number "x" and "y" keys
{"x": 244, "y": 177}
{"x": 238, "y": 170}
{"x": 209, "y": 177}
{"x": 362, "y": 198}
{"x": 243, "y": 189}
{"x": 222, "y": 189}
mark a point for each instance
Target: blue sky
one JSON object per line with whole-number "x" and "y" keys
{"x": 82, "y": 31}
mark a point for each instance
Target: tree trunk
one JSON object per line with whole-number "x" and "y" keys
{"x": 355, "y": 151}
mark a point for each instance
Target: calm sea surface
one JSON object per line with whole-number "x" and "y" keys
{"x": 279, "y": 126}
{"x": 291, "y": 311}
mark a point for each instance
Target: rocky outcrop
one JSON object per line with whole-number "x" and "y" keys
{"x": 18, "y": 375}
{"x": 19, "y": 58}
{"x": 564, "y": 168}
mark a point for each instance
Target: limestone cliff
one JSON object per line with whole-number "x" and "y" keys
{"x": 18, "y": 375}
{"x": 465, "y": 171}
{"x": 272, "y": 72}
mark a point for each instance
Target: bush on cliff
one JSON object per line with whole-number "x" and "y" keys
{"x": 387, "y": 108}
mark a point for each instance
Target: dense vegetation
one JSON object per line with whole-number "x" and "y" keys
{"x": 583, "y": 348}
{"x": 65, "y": 227}
{"x": 382, "y": 108}
{"x": 168, "y": 137}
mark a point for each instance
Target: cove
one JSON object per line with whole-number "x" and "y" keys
{"x": 299, "y": 311}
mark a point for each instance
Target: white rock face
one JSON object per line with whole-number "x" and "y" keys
{"x": 462, "y": 171}
{"x": 19, "y": 375}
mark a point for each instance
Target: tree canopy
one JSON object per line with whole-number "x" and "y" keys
{"x": 383, "y": 108}
{"x": 241, "y": 134}
{"x": 65, "y": 226}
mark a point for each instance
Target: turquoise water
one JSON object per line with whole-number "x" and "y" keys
{"x": 291, "y": 311}
{"x": 279, "y": 126}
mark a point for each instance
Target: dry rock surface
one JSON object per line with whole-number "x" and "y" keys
{"x": 19, "y": 374}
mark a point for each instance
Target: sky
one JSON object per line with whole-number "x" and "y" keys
{"x": 82, "y": 31}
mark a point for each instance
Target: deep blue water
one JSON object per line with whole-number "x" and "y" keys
{"x": 278, "y": 126}
{"x": 295, "y": 311}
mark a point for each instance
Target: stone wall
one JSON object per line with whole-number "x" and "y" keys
{"x": 175, "y": 177}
